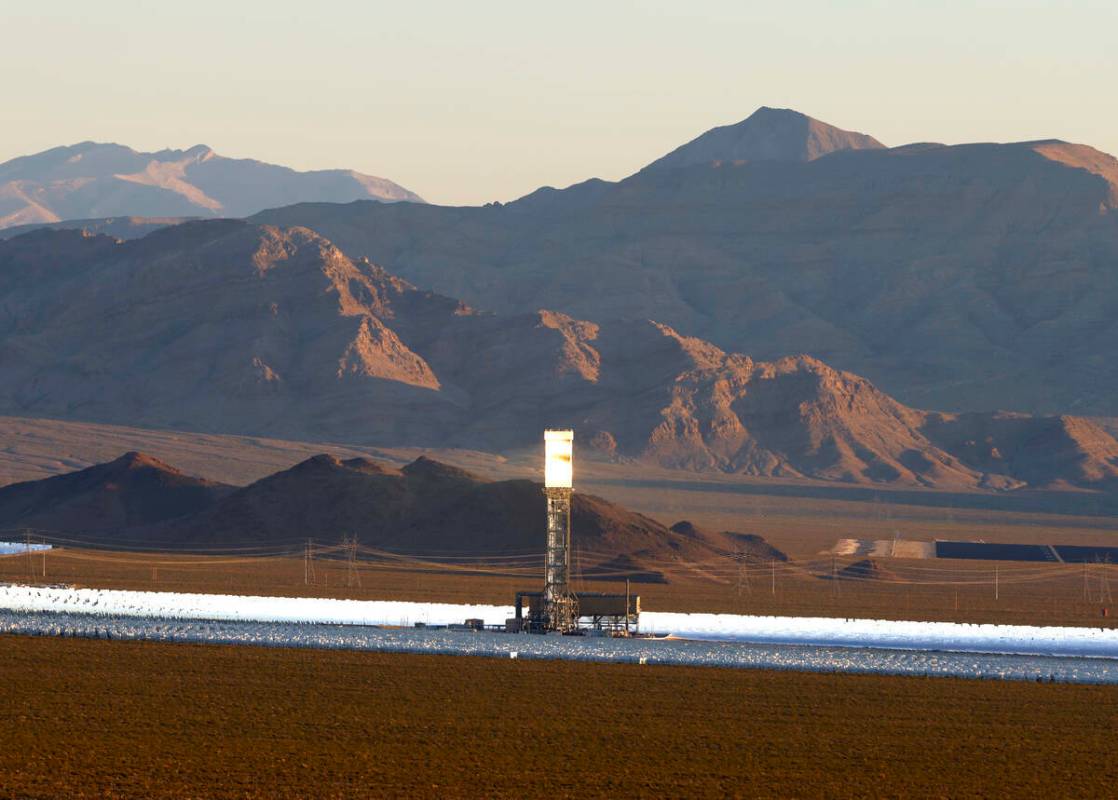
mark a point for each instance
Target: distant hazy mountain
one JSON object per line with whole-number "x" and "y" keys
{"x": 968, "y": 277}
{"x": 224, "y": 326}
{"x": 768, "y": 134}
{"x": 101, "y": 180}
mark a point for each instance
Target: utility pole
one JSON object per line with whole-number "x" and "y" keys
{"x": 996, "y": 583}
{"x": 43, "y": 542}
{"x": 627, "y": 606}
{"x": 774, "y": 576}
{"x": 578, "y": 579}
{"x": 30, "y": 561}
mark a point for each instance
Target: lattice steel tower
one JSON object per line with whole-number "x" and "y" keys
{"x": 560, "y": 606}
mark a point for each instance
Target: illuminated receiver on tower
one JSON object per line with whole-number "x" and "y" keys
{"x": 558, "y": 449}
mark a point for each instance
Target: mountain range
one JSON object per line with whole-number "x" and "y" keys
{"x": 777, "y": 297}
{"x": 92, "y": 179}
{"x": 230, "y": 327}
{"x": 965, "y": 277}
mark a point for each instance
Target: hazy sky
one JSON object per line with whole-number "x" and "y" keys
{"x": 466, "y": 102}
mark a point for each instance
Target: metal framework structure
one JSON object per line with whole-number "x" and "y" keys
{"x": 594, "y": 612}
{"x": 560, "y": 606}
{"x": 557, "y": 609}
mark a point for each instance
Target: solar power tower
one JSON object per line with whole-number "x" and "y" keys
{"x": 560, "y": 606}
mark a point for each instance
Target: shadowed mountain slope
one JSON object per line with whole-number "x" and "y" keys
{"x": 93, "y": 180}
{"x": 211, "y": 326}
{"x": 116, "y": 227}
{"x": 135, "y": 489}
{"x": 425, "y": 509}
{"x": 228, "y": 327}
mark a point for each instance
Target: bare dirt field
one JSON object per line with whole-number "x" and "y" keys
{"x": 110, "y": 719}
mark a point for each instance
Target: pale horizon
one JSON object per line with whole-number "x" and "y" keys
{"x": 491, "y": 105}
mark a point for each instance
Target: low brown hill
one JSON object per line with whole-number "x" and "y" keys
{"x": 749, "y": 546}
{"x": 864, "y": 570}
{"x": 135, "y": 489}
{"x": 426, "y": 509}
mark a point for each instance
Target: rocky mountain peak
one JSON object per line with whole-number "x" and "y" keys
{"x": 134, "y": 460}
{"x": 768, "y": 134}
{"x": 428, "y": 468}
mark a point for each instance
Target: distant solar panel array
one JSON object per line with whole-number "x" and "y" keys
{"x": 1059, "y": 553}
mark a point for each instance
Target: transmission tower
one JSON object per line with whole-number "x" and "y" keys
{"x": 743, "y": 573}
{"x": 308, "y": 563}
{"x": 1104, "y": 582}
{"x": 352, "y": 578}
